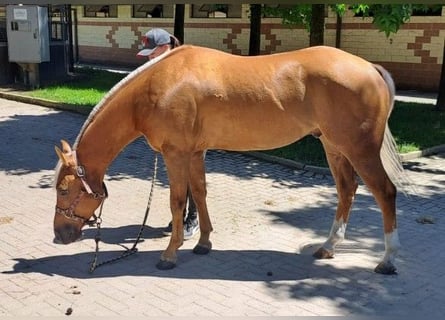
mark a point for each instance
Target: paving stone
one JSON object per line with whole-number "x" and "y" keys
{"x": 268, "y": 219}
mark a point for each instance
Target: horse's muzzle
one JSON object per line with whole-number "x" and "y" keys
{"x": 66, "y": 234}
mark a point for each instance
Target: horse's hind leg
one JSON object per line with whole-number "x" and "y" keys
{"x": 371, "y": 170}
{"x": 199, "y": 193}
{"x": 346, "y": 185}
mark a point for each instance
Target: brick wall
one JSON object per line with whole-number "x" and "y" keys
{"x": 413, "y": 55}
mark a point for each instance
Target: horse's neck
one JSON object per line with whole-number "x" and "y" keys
{"x": 111, "y": 130}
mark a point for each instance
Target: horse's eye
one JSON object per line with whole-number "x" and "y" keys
{"x": 64, "y": 192}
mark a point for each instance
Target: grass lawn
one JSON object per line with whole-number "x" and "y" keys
{"x": 414, "y": 126}
{"x": 85, "y": 89}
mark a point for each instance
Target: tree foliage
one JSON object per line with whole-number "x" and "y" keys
{"x": 388, "y": 18}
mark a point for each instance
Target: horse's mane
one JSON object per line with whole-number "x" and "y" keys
{"x": 113, "y": 90}
{"x": 104, "y": 101}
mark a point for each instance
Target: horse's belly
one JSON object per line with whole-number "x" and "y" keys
{"x": 255, "y": 135}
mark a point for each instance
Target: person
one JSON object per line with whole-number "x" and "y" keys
{"x": 157, "y": 42}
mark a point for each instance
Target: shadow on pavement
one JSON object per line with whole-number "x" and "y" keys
{"x": 245, "y": 265}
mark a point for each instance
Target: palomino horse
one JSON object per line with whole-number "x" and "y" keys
{"x": 194, "y": 99}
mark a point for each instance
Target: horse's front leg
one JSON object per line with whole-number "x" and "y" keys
{"x": 177, "y": 169}
{"x": 199, "y": 193}
{"x": 346, "y": 184}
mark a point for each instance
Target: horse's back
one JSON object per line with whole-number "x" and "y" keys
{"x": 230, "y": 100}
{"x": 283, "y": 73}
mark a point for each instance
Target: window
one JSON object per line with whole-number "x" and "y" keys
{"x": 56, "y": 15}
{"x": 107, "y": 11}
{"x": 417, "y": 10}
{"x": 153, "y": 11}
{"x": 428, "y": 10}
{"x": 216, "y": 11}
{"x": 274, "y": 10}
{"x": 3, "y": 37}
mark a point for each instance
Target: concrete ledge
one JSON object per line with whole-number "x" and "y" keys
{"x": 42, "y": 102}
{"x": 287, "y": 162}
{"x": 326, "y": 171}
{"x": 422, "y": 153}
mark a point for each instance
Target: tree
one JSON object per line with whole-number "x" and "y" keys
{"x": 388, "y": 18}
{"x": 255, "y": 29}
{"x": 317, "y": 24}
{"x": 179, "y": 22}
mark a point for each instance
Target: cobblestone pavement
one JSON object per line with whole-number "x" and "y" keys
{"x": 268, "y": 219}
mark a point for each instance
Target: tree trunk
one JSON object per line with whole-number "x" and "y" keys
{"x": 440, "y": 104}
{"x": 338, "y": 26}
{"x": 317, "y": 25}
{"x": 255, "y": 29}
{"x": 179, "y": 22}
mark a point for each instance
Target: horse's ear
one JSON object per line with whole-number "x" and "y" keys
{"x": 66, "y": 147}
{"x": 66, "y": 155}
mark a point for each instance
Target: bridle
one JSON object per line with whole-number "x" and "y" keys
{"x": 70, "y": 212}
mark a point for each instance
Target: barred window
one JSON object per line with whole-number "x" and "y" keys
{"x": 3, "y": 37}
{"x": 417, "y": 10}
{"x": 216, "y": 11}
{"x": 273, "y": 10}
{"x": 98, "y": 11}
{"x": 56, "y": 16}
{"x": 153, "y": 11}
{"x": 428, "y": 10}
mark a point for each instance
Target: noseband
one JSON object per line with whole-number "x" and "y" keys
{"x": 70, "y": 213}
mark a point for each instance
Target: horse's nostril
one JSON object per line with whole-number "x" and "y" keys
{"x": 57, "y": 238}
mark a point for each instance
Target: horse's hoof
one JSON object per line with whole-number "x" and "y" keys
{"x": 323, "y": 253}
{"x": 385, "y": 268}
{"x": 201, "y": 249}
{"x": 165, "y": 265}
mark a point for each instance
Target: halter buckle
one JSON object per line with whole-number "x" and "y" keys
{"x": 80, "y": 171}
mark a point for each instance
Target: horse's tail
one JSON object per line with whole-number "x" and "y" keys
{"x": 388, "y": 152}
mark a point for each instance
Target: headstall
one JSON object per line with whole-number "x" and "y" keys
{"x": 69, "y": 212}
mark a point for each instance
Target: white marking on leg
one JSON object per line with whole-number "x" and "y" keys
{"x": 392, "y": 245}
{"x": 336, "y": 235}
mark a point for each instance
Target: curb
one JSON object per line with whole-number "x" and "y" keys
{"x": 326, "y": 171}
{"x": 422, "y": 153}
{"x": 259, "y": 155}
{"x": 287, "y": 162}
{"x": 42, "y": 102}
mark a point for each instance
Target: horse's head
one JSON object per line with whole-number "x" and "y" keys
{"x": 76, "y": 200}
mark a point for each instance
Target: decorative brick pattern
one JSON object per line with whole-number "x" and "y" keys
{"x": 274, "y": 43}
{"x": 416, "y": 46}
{"x": 110, "y": 38}
{"x": 229, "y": 40}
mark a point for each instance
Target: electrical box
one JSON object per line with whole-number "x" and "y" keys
{"x": 28, "y": 34}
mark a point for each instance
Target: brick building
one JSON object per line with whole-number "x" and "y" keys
{"x": 111, "y": 35}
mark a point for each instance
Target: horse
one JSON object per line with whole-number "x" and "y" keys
{"x": 194, "y": 99}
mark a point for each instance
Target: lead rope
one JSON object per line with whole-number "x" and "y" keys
{"x": 94, "y": 264}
